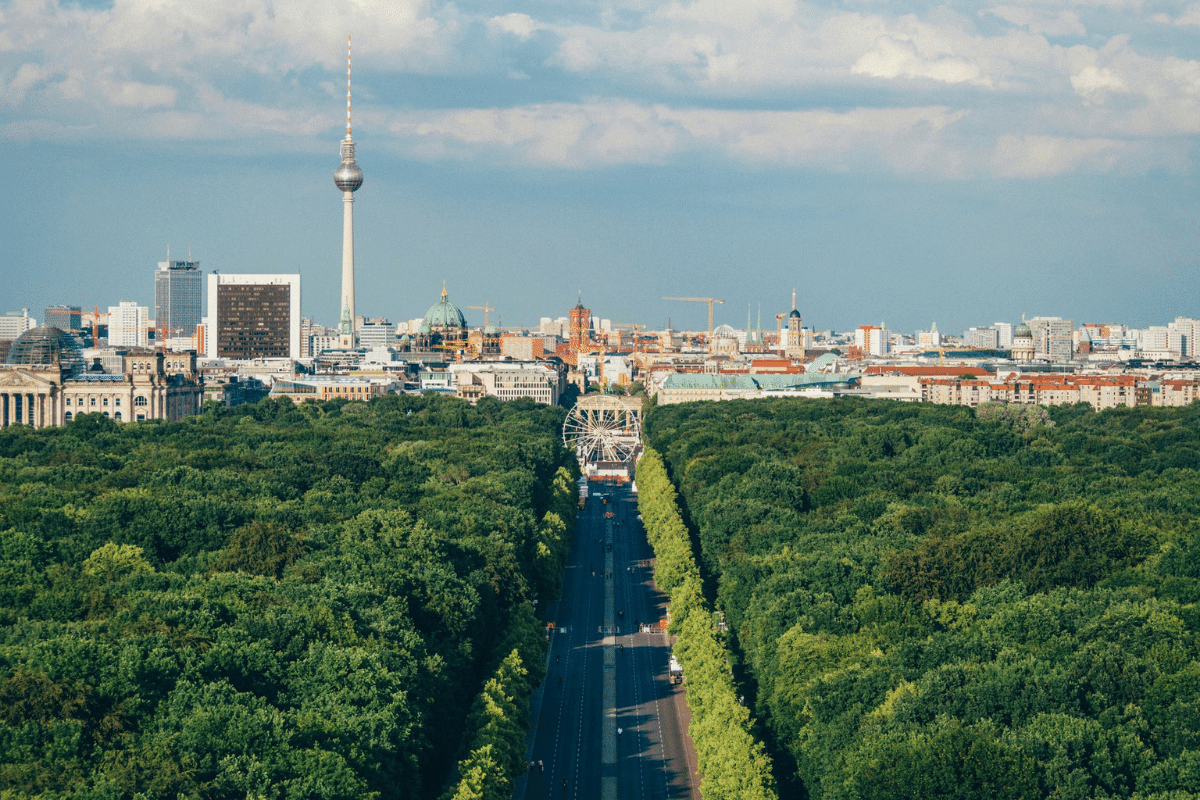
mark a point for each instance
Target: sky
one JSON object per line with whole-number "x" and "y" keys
{"x": 907, "y": 163}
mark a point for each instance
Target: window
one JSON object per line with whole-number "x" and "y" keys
{"x": 117, "y": 416}
{"x": 67, "y": 418}
{"x": 93, "y": 401}
{"x": 105, "y": 401}
{"x": 117, "y": 401}
{"x": 139, "y": 401}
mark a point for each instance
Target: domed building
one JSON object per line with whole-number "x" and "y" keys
{"x": 1022, "y": 343}
{"x": 47, "y": 346}
{"x": 443, "y": 328}
{"x": 43, "y": 383}
{"x": 443, "y": 315}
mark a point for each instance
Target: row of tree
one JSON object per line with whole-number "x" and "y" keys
{"x": 732, "y": 764}
{"x": 271, "y": 600}
{"x": 500, "y": 714}
{"x": 924, "y": 601}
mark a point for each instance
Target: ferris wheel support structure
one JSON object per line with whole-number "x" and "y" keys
{"x": 604, "y": 428}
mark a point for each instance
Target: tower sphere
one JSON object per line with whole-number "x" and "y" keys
{"x": 348, "y": 177}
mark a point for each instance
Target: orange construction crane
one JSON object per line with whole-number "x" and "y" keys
{"x": 96, "y": 327}
{"x": 709, "y": 300}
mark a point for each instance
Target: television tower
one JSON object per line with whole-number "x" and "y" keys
{"x": 347, "y": 178}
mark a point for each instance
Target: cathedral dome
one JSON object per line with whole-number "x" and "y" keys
{"x": 47, "y": 345}
{"x": 443, "y": 314}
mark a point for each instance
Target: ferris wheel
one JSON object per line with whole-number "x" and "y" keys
{"x": 604, "y": 428}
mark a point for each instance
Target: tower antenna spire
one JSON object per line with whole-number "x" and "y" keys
{"x": 347, "y": 86}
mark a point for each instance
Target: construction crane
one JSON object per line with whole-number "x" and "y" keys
{"x": 709, "y": 300}
{"x": 96, "y": 327}
{"x": 779, "y": 332}
{"x": 485, "y": 308}
{"x": 636, "y": 328}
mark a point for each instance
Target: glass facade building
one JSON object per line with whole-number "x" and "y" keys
{"x": 178, "y": 288}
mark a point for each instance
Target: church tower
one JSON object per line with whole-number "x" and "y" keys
{"x": 795, "y": 336}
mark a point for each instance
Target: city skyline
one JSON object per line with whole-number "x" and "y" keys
{"x": 953, "y": 165}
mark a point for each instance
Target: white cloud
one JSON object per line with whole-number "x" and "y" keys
{"x": 1092, "y": 83}
{"x": 957, "y": 97}
{"x": 520, "y": 25}
{"x": 1046, "y": 156}
{"x": 905, "y": 140}
{"x": 132, "y": 94}
{"x": 891, "y": 58}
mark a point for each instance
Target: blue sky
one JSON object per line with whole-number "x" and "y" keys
{"x": 955, "y": 162}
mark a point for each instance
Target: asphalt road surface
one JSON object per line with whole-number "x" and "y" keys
{"x": 608, "y": 721}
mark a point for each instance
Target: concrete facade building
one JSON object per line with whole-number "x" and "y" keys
{"x": 506, "y": 381}
{"x": 982, "y": 339}
{"x": 376, "y": 332}
{"x": 1098, "y": 391}
{"x": 300, "y": 390}
{"x": 1004, "y": 334}
{"x": 127, "y": 325}
{"x": 253, "y": 316}
{"x": 1163, "y": 342}
{"x": 1053, "y": 338}
{"x": 14, "y": 323}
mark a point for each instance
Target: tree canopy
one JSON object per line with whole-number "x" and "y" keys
{"x": 275, "y": 601}
{"x": 928, "y": 602}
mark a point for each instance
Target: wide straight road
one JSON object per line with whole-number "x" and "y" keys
{"x": 609, "y": 722}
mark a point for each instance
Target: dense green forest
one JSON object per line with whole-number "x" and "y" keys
{"x": 929, "y": 602}
{"x": 331, "y": 600}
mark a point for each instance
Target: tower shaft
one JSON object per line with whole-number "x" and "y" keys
{"x": 346, "y": 328}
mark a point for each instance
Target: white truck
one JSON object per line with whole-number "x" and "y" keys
{"x": 674, "y": 671}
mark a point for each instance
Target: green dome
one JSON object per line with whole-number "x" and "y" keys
{"x": 443, "y": 314}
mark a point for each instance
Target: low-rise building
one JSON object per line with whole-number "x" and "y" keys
{"x": 322, "y": 388}
{"x": 1098, "y": 391}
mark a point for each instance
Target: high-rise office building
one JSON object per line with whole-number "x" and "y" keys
{"x": 14, "y": 323}
{"x": 1004, "y": 334}
{"x": 65, "y": 318}
{"x": 127, "y": 325}
{"x": 178, "y": 295}
{"x": 253, "y": 316}
{"x": 1053, "y": 338}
